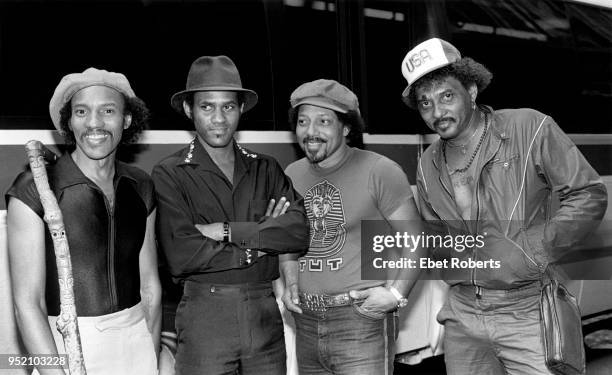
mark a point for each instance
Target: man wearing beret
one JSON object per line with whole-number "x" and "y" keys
{"x": 344, "y": 325}
{"x": 225, "y": 213}
{"x": 492, "y": 173}
{"x": 109, "y": 215}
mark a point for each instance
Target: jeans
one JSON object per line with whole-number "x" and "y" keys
{"x": 345, "y": 340}
{"x": 497, "y": 333}
{"x": 229, "y": 329}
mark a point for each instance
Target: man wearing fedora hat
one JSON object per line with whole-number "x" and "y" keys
{"x": 342, "y": 186}
{"x": 109, "y": 214}
{"x": 225, "y": 213}
{"x": 492, "y": 173}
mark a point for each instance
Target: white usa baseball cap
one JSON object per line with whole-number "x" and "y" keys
{"x": 426, "y": 57}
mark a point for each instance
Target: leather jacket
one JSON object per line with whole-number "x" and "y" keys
{"x": 524, "y": 158}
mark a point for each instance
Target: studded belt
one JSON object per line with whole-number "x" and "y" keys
{"x": 321, "y": 302}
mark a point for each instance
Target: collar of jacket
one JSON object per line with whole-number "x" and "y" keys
{"x": 497, "y": 133}
{"x": 67, "y": 173}
{"x": 200, "y": 157}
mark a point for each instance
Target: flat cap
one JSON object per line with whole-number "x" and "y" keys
{"x": 325, "y": 93}
{"x": 72, "y": 83}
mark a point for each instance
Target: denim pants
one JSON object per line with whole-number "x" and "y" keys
{"x": 229, "y": 329}
{"x": 497, "y": 333}
{"x": 345, "y": 340}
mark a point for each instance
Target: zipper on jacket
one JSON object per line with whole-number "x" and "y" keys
{"x": 473, "y": 271}
{"x": 111, "y": 253}
{"x": 477, "y": 186}
{"x": 113, "y": 282}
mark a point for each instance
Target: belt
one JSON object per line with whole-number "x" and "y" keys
{"x": 480, "y": 292}
{"x": 321, "y": 302}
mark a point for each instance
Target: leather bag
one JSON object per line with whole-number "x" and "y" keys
{"x": 561, "y": 330}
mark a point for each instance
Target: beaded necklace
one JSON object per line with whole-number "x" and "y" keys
{"x": 469, "y": 163}
{"x": 464, "y": 145}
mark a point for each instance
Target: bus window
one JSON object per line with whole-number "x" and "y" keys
{"x": 592, "y": 26}
{"x": 152, "y": 42}
{"x": 542, "y": 21}
{"x": 304, "y": 47}
{"x": 592, "y": 31}
{"x": 533, "y": 50}
{"x": 390, "y": 28}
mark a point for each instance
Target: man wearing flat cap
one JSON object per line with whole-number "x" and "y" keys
{"x": 224, "y": 216}
{"x": 342, "y": 186}
{"x": 109, "y": 215}
{"x": 492, "y": 173}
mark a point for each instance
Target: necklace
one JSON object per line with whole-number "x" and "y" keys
{"x": 469, "y": 163}
{"x": 464, "y": 145}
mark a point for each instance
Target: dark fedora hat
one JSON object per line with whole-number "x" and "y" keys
{"x": 213, "y": 73}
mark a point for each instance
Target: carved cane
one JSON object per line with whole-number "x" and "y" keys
{"x": 67, "y": 321}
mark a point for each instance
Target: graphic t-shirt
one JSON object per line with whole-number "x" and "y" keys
{"x": 363, "y": 186}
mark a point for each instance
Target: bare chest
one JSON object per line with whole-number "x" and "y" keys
{"x": 108, "y": 189}
{"x": 463, "y": 187}
{"x": 462, "y": 172}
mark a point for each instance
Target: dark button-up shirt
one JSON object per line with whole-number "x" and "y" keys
{"x": 104, "y": 243}
{"x": 191, "y": 189}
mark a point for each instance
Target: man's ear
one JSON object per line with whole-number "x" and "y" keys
{"x": 241, "y": 107}
{"x": 187, "y": 110}
{"x": 346, "y": 130}
{"x": 127, "y": 120}
{"x": 473, "y": 91}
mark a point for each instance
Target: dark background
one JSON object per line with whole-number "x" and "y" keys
{"x": 552, "y": 55}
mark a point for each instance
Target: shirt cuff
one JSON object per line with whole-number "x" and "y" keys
{"x": 245, "y": 235}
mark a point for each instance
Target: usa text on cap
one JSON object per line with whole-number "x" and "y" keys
{"x": 426, "y": 57}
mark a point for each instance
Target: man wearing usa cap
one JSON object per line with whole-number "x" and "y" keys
{"x": 225, "y": 213}
{"x": 109, "y": 215}
{"x": 492, "y": 173}
{"x": 344, "y": 325}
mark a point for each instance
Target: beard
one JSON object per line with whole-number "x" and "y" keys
{"x": 315, "y": 157}
{"x": 318, "y": 155}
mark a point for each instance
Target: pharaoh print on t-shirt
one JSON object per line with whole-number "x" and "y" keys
{"x": 323, "y": 203}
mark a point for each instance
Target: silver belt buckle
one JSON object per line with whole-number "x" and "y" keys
{"x": 315, "y": 302}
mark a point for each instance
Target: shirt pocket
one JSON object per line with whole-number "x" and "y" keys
{"x": 257, "y": 209}
{"x": 501, "y": 178}
{"x": 504, "y": 163}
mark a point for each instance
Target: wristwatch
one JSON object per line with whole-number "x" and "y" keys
{"x": 226, "y": 232}
{"x": 401, "y": 300}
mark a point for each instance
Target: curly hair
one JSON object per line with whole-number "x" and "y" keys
{"x": 466, "y": 70}
{"x": 133, "y": 106}
{"x": 351, "y": 119}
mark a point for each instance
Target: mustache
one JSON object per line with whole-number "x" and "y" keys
{"x": 443, "y": 119}
{"x": 313, "y": 139}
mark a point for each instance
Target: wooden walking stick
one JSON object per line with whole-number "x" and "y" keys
{"x": 67, "y": 320}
